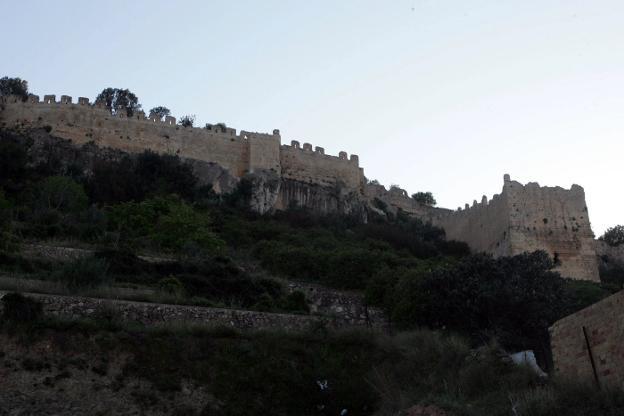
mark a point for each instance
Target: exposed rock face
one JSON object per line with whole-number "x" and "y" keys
{"x": 265, "y": 187}
{"x": 209, "y": 173}
{"x": 321, "y": 199}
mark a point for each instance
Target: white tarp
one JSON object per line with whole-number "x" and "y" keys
{"x": 528, "y": 358}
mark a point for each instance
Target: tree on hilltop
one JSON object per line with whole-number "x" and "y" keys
{"x": 14, "y": 86}
{"x": 614, "y": 236}
{"x": 160, "y": 112}
{"x": 187, "y": 121}
{"x": 425, "y": 198}
{"x": 116, "y": 98}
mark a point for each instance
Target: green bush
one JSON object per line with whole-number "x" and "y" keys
{"x": 296, "y": 302}
{"x": 18, "y": 308}
{"x": 171, "y": 286}
{"x": 61, "y": 194}
{"x": 87, "y": 272}
{"x": 8, "y": 241}
{"x": 514, "y": 299}
{"x": 166, "y": 223}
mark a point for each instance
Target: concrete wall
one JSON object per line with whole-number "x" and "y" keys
{"x": 604, "y": 325}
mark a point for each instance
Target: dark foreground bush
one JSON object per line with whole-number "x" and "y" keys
{"x": 18, "y": 308}
{"x": 82, "y": 273}
{"x": 327, "y": 373}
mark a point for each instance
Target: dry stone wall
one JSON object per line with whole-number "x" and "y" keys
{"x": 151, "y": 314}
{"x": 597, "y": 333}
{"x": 346, "y": 305}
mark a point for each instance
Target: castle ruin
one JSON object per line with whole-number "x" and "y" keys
{"x": 521, "y": 218}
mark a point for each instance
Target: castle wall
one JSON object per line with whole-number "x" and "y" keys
{"x": 82, "y": 123}
{"x": 398, "y": 199}
{"x": 604, "y": 325}
{"x": 525, "y": 218}
{"x": 315, "y": 167}
{"x": 555, "y": 220}
{"x": 485, "y": 225}
{"x": 521, "y": 218}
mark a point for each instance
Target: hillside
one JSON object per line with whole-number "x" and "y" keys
{"x": 387, "y": 311}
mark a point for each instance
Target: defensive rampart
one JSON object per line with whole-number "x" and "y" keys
{"x": 522, "y": 218}
{"x": 525, "y": 218}
{"x": 245, "y": 152}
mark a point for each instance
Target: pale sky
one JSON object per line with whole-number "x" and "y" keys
{"x": 441, "y": 96}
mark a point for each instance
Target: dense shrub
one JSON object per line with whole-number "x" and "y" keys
{"x": 171, "y": 286}
{"x": 165, "y": 223}
{"x": 295, "y": 302}
{"x": 614, "y": 236}
{"x": 14, "y": 171}
{"x": 514, "y": 299}
{"x": 140, "y": 177}
{"x": 17, "y": 308}
{"x": 611, "y": 274}
{"x": 83, "y": 273}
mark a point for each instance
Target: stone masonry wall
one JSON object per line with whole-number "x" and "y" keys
{"x": 346, "y": 305}
{"x": 150, "y": 314}
{"x": 485, "y": 226}
{"x": 525, "y": 218}
{"x": 604, "y": 325}
{"x": 555, "y": 220}
{"x": 245, "y": 152}
{"x": 315, "y": 167}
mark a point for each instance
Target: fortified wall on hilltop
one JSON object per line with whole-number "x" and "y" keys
{"x": 521, "y": 218}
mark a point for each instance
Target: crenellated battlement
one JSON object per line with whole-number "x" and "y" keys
{"x": 521, "y": 218}
{"x": 50, "y": 103}
{"x": 238, "y": 152}
{"x": 527, "y": 218}
{"x": 320, "y": 151}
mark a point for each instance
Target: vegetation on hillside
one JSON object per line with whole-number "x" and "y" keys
{"x": 614, "y": 236}
{"x": 219, "y": 253}
{"x": 310, "y": 373}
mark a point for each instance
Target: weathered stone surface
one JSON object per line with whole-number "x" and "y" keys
{"x": 149, "y": 314}
{"x": 523, "y": 218}
{"x": 342, "y": 304}
{"x": 604, "y": 326}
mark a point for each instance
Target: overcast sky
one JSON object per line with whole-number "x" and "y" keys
{"x": 433, "y": 95}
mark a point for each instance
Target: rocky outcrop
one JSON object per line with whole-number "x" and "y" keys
{"x": 336, "y": 199}
{"x": 265, "y": 187}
